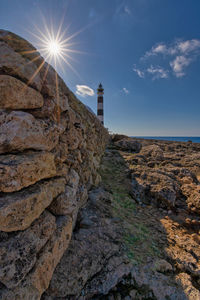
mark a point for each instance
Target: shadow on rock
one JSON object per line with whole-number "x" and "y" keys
{"x": 137, "y": 237}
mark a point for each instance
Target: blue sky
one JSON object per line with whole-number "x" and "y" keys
{"x": 146, "y": 53}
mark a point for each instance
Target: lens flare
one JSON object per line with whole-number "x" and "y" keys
{"x": 56, "y": 45}
{"x": 54, "y": 48}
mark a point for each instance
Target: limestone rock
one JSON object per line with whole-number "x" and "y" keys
{"x": 18, "y": 59}
{"x": 163, "y": 189}
{"x": 20, "y": 45}
{"x": 72, "y": 138}
{"x": 156, "y": 285}
{"x": 14, "y": 64}
{"x": 186, "y": 281}
{"x": 162, "y": 266}
{"x": 67, "y": 202}
{"x": 192, "y": 192}
{"x": 61, "y": 152}
{"x": 89, "y": 252}
{"x": 19, "y": 254}
{"x": 127, "y": 144}
{"x": 73, "y": 179}
{"x": 155, "y": 186}
{"x": 83, "y": 195}
{"x": 58, "y": 94}
{"x": 52, "y": 108}
{"x": 20, "y": 209}
{"x": 14, "y": 94}
{"x": 37, "y": 281}
{"x": 152, "y": 150}
{"x": 53, "y": 251}
{"x": 20, "y": 130}
{"x": 22, "y": 170}
{"x": 50, "y": 149}
{"x": 94, "y": 267}
{"x": 118, "y": 137}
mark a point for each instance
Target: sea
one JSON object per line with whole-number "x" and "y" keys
{"x": 194, "y": 139}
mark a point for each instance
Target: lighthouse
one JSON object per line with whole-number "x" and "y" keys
{"x": 100, "y": 92}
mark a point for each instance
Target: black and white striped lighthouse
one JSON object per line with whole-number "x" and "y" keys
{"x": 100, "y": 92}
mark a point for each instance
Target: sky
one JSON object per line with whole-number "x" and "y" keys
{"x": 146, "y": 54}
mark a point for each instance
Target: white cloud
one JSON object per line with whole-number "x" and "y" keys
{"x": 179, "y": 55}
{"x": 178, "y": 47}
{"x": 125, "y": 91}
{"x": 189, "y": 46}
{"x": 160, "y": 49}
{"x": 157, "y": 49}
{"x": 84, "y": 90}
{"x": 157, "y": 72}
{"x": 179, "y": 64}
{"x": 139, "y": 72}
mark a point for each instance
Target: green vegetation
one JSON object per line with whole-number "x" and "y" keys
{"x": 137, "y": 237}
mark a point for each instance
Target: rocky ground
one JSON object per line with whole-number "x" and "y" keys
{"x": 138, "y": 236}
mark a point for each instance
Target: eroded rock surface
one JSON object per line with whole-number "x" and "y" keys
{"x": 20, "y": 209}
{"x": 50, "y": 150}
{"x": 94, "y": 249}
{"x": 19, "y": 253}
{"x": 140, "y": 239}
{"x": 96, "y": 264}
{"x": 14, "y": 94}
{"x": 22, "y": 170}
{"x": 20, "y": 131}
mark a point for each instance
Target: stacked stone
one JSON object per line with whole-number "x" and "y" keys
{"x": 50, "y": 150}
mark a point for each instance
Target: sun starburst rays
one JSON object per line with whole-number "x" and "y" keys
{"x": 55, "y": 46}
{"x": 57, "y": 49}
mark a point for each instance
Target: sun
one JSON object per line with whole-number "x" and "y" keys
{"x": 54, "y": 48}
{"x": 56, "y": 45}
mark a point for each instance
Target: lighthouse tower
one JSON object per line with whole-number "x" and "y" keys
{"x": 100, "y": 92}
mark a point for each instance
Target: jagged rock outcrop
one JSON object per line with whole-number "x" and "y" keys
{"x": 165, "y": 184}
{"x": 127, "y": 144}
{"x": 132, "y": 240}
{"x": 94, "y": 249}
{"x": 50, "y": 150}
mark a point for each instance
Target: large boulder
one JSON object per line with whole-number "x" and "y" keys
{"x": 37, "y": 280}
{"x": 156, "y": 187}
{"x": 67, "y": 202}
{"x": 14, "y": 94}
{"x": 18, "y": 210}
{"x": 129, "y": 145}
{"x": 22, "y": 170}
{"x": 20, "y": 131}
{"x": 16, "y": 65}
{"x": 154, "y": 151}
{"x": 19, "y": 253}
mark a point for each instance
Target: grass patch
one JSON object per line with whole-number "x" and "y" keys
{"x": 137, "y": 237}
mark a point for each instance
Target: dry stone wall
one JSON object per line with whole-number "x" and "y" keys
{"x": 50, "y": 150}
